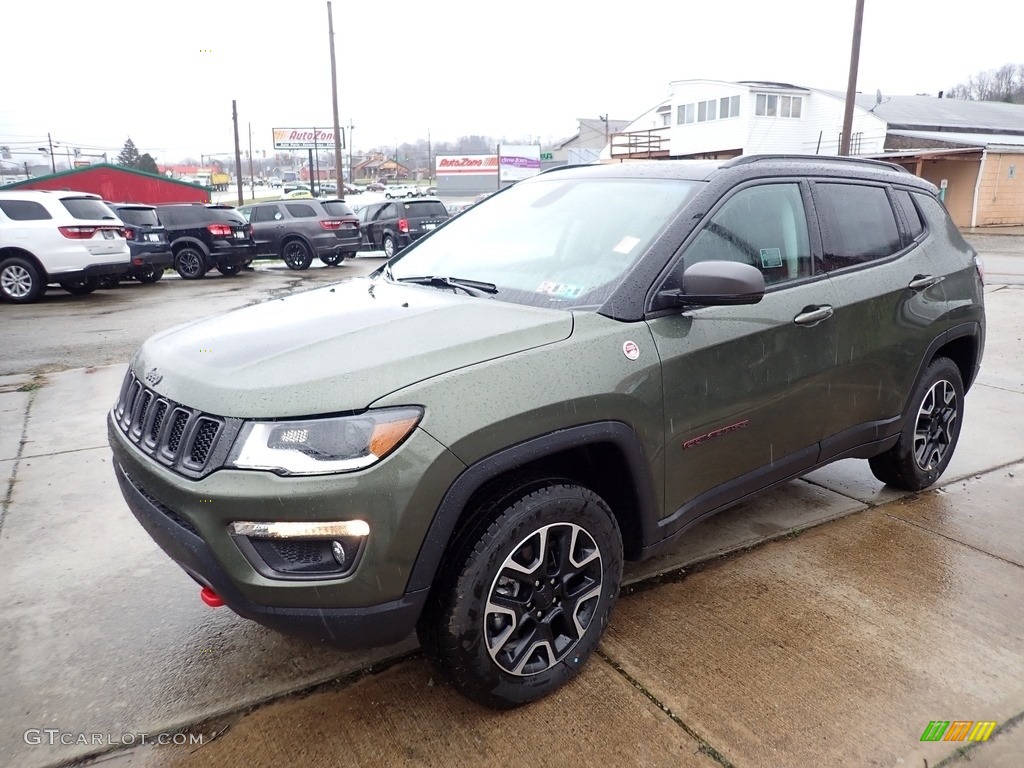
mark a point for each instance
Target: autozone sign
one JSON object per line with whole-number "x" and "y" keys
{"x": 467, "y": 165}
{"x": 305, "y": 138}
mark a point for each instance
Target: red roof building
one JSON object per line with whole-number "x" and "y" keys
{"x": 119, "y": 184}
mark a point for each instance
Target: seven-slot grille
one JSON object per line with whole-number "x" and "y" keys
{"x": 173, "y": 434}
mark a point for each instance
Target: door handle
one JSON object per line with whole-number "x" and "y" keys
{"x": 920, "y": 282}
{"x": 813, "y": 315}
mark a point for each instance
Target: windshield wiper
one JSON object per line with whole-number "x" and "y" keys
{"x": 472, "y": 287}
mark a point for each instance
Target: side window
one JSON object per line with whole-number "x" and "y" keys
{"x": 764, "y": 226}
{"x": 857, "y": 224}
{"x": 301, "y": 210}
{"x": 910, "y": 212}
{"x": 265, "y": 213}
{"x": 24, "y": 210}
{"x": 389, "y": 211}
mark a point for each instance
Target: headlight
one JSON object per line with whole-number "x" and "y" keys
{"x": 322, "y": 446}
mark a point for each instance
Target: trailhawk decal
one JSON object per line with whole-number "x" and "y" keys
{"x": 716, "y": 433}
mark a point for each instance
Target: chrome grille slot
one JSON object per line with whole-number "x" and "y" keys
{"x": 178, "y": 437}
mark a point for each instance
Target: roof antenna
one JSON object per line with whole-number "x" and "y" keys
{"x": 878, "y": 100}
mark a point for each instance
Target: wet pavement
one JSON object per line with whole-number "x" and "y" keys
{"x": 833, "y": 645}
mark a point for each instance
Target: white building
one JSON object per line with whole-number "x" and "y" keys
{"x": 713, "y": 119}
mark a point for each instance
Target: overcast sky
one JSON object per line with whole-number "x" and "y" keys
{"x": 165, "y": 72}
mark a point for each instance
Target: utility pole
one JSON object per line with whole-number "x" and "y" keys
{"x": 430, "y": 161}
{"x": 238, "y": 152}
{"x": 252, "y": 181}
{"x": 334, "y": 96}
{"x": 851, "y": 85}
{"x": 53, "y": 163}
{"x": 351, "y": 149}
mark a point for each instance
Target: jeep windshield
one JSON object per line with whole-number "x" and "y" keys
{"x": 551, "y": 242}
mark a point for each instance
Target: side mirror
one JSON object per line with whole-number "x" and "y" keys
{"x": 717, "y": 283}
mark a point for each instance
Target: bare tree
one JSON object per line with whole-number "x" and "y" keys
{"x": 1003, "y": 84}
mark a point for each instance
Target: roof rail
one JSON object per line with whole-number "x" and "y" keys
{"x": 747, "y": 159}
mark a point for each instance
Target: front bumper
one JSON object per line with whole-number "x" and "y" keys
{"x": 363, "y": 627}
{"x": 189, "y": 519}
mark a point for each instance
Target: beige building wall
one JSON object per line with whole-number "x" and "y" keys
{"x": 961, "y": 178}
{"x": 1000, "y": 197}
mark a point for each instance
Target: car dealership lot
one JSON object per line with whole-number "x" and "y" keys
{"x": 830, "y": 647}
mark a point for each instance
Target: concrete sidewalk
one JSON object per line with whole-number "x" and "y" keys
{"x": 825, "y": 647}
{"x": 834, "y": 647}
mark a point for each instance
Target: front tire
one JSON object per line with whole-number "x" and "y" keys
{"x": 20, "y": 281}
{"x": 80, "y": 286}
{"x": 190, "y": 263}
{"x": 230, "y": 270}
{"x": 296, "y": 255}
{"x": 109, "y": 281}
{"x": 930, "y": 432}
{"x": 526, "y": 594}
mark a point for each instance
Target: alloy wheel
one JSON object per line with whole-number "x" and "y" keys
{"x": 188, "y": 263}
{"x": 936, "y": 421}
{"x": 16, "y": 281}
{"x": 542, "y": 599}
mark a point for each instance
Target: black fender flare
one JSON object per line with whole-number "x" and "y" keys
{"x": 190, "y": 241}
{"x": 616, "y": 433}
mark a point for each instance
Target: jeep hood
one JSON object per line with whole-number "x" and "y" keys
{"x": 336, "y": 348}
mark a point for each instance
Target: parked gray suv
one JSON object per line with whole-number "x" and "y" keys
{"x": 574, "y": 372}
{"x": 298, "y": 230}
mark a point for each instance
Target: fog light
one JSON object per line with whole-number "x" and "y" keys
{"x": 339, "y": 553}
{"x": 298, "y": 550}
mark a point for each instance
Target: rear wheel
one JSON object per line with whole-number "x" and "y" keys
{"x": 930, "y": 432}
{"x": 333, "y": 259}
{"x": 389, "y": 246}
{"x": 190, "y": 263}
{"x": 230, "y": 270}
{"x": 526, "y": 594}
{"x": 80, "y": 286}
{"x": 296, "y": 255}
{"x": 20, "y": 281}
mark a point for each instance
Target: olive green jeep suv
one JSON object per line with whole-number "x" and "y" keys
{"x": 470, "y": 440}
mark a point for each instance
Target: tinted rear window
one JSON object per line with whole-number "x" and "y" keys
{"x": 24, "y": 210}
{"x": 336, "y": 208}
{"x": 140, "y": 217}
{"x": 87, "y": 208}
{"x": 426, "y": 209}
{"x": 857, "y": 224}
{"x": 301, "y": 210}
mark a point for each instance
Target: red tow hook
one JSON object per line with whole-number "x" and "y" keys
{"x": 210, "y": 597}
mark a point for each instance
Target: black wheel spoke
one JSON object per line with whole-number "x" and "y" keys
{"x": 543, "y": 599}
{"x": 934, "y": 430}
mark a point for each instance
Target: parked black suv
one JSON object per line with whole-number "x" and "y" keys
{"x": 147, "y": 241}
{"x": 203, "y": 237}
{"x": 295, "y": 230}
{"x": 391, "y": 226}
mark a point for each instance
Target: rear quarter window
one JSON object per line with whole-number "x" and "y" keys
{"x": 24, "y": 210}
{"x": 910, "y": 212}
{"x": 87, "y": 208}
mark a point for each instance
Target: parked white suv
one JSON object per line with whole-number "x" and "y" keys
{"x": 401, "y": 190}
{"x": 69, "y": 238}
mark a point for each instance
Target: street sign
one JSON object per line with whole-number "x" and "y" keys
{"x": 306, "y": 138}
{"x": 547, "y": 156}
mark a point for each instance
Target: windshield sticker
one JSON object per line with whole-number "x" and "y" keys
{"x": 560, "y": 289}
{"x": 626, "y": 244}
{"x": 771, "y": 257}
